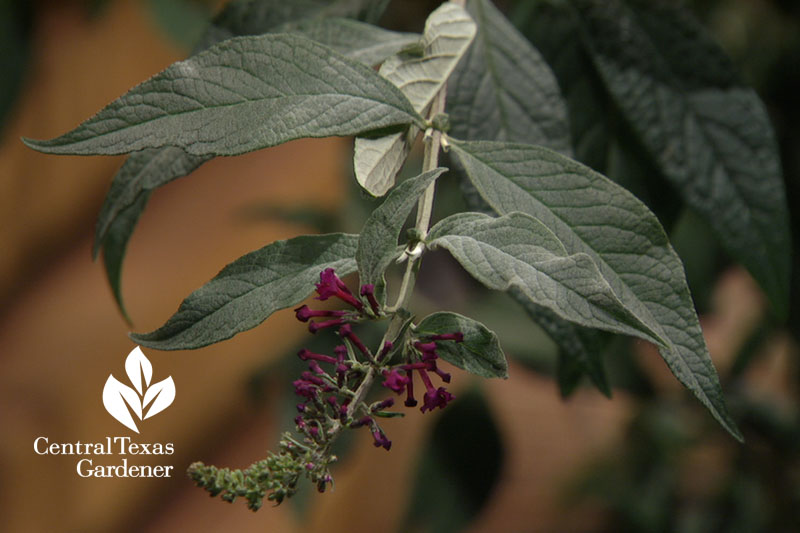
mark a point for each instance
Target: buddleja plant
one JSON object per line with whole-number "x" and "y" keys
{"x": 577, "y": 250}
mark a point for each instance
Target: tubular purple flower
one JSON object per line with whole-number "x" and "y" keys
{"x": 436, "y": 398}
{"x": 395, "y": 380}
{"x": 426, "y": 348}
{"x": 361, "y": 422}
{"x": 410, "y": 401}
{"x": 305, "y": 389}
{"x": 313, "y": 327}
{"x": 341, "y": 352}
{"x": 330, "y": 285}
{"x": 306, "y": 355}
{"x": 347, "y": 332}
{"x": 380, "y": 438}
{"x": 315, "y": 368}
{"x": 308, "y": 376}
{"x": 444, "y": 376}
{"x": 301, "y": 408}
{"x": 368, "y": 290}
{"x": 303, "y": 313}
{"x": 385, "y": 404}
{"x": 433, "y": 397}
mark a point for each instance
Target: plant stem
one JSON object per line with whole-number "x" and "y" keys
{"x": 430, "y": 161}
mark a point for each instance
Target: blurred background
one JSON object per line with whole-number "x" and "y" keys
{"x": 506, "y": 456}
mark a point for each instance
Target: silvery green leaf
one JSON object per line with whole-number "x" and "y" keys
{"x": 448, "y": 33}
{"x": 518, "y": 252}
{"x": 479, "y": 352}
{"x": 363, "y": 42}
{"x": 141, "y": 173}
{"x": 709, "y": 134}
{"x": 249, "y": 290}
{"x": 592, "y": 215}
{"x": 378, "y": 160}
{"x": 149, "y": 169}
{"x": 115, "y": 242}
{"x": 580, "y": 348}
{"x": 240, "y": 95}
{"x": 503, "y": 90}
{"x": 377, "y": 244}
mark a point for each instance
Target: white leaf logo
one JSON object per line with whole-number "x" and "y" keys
{"x": 120, "y": 400}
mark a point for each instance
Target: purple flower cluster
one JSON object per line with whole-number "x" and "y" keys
{"x": 327, "y": 395}
{"x": 331, "y": 286}
{"x": 401, "y": 378}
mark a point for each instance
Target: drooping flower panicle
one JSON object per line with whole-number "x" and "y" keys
{"x": 333, "y": 388}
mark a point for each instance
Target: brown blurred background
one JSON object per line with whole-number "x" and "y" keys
{"x": 61, "y": 333}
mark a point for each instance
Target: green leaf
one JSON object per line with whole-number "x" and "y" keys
{"x": 517, "y": 251}
{"x": 551, "y": 27}
{"x": 141, "y": 173}
{"x": 249, "y": 17}
{"x": 149, "y": 169}
{"x": 590, "y": 214}
{"x": 377, "y": 245}
{"x": 249, "y": 290}
{"x": 115, "y": 243}
{"x": 448, "y": 33}
{"x": 580, "y": 348}
{"x": 479, "y": 352}
{"x": 503, "y": 90}
{"x": 364, "y": 10}
{"x": 709, "y": 134}
{"x": 241, "y": 95}
{"x": 363, "y": 42}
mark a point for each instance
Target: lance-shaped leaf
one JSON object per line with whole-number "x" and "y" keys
{"x": 580, "y": 348}
{"x": 149, "y": 169}
{"x": 590, "y": 214}
{"x": 241, "y": 95}
{"x": 517, "y": 251}
{"x": 448, "y": 33}
{"x": 377, "y": 244}
{"x": 503, "y": 90}
{"x": 709, "y": 134}
{"x": 249, "y": 290}
{"x": 479, "y": 352}
{"x": 363, "y": 42}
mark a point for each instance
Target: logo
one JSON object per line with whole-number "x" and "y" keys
{"x": 121, "y": 400}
